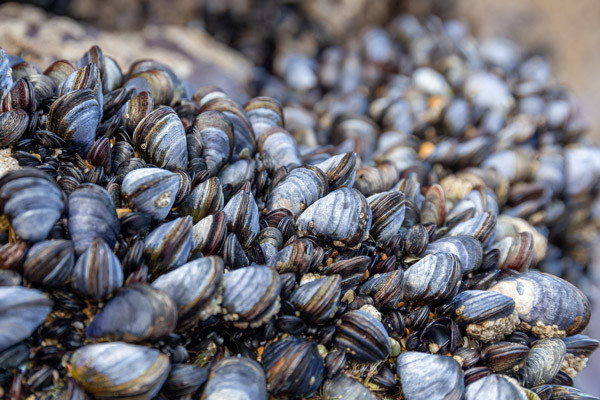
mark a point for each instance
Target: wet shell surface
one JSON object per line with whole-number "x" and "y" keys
{"x": 429, "y": 376}
{"x": 151, "y": 190}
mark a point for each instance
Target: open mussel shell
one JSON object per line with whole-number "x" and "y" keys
{"x": 279, "y": 149}
{"x": 343, "y": 216}
{"x": 298, "y": 257}
{"x": 244, "y": 142}
{"x": 120, "y": 370}
{"x": 340, "y": 170}
{"x": 432, "y": 279}
{"x": 92, "y": 215}
{"x": 535, "y": 294}
{"x": 468, "y": 250}
{"x": 236, "y": 378}
{"x": 298, "y": 190}
{"x": 32, "y": 201}
{"x": 293, "y": 366}
{"x": 215, "y": 131}
{"x": 242, "y": 216}
{"x": 344, "y": 387}
{"x": 205, "y": 199}
{"x": 196, "y": 288}
{"x": 504, "y": 356}
{"x": 316, "y": 300}
{"x": 184, "y": 379}
{"x": 544, "y": 362}
{"x": 160, "y": 138}
{"x": 363, "y": 337}
{"x": 12, "y": 126}
{"x": 389, "y": 210}
{"x": 429, "y": 376}
{"x": 49, "y": 262}
{"x": 75, "y": 117}
{"x": 168, "y": 246}
{"x": 494, "y": 387}
{"x": 97, "y": 272}
{"x": 208, "y": 234}
{"x": 251, "y": 295}
{"x": 22, "y": 310}
{"x": 385, "y": 289}
{"x": 137, "y": 313}
{"x": 579, "y": 348}
{"x": 151, "y": 190}
{"x": 487, "y": 316}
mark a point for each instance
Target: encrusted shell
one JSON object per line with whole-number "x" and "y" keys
{"x": 535, "y": 295}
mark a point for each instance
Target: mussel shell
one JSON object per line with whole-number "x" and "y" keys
{"x": 242, "y": 217}
{"x": 205, "y": 199}
{"x": 468, "y": 250}
{"x": 244, "y": 142}
{"x": 49, "y": 262}
{"x": 481, "y": 227}
{"x": 363, "y": 337}
{"x": 22, "y": 310}
{"x": 297, "y": 257}
{"x": 515, "y": 252}
{"x": 251, "y": 295}
{"x": 137, "y": 313}
{"x": 120, "y": 370}
{"x": 157, "y": 82}
{"x": 236, "y": 378}
{"x": 385, "y": 289}
{"x": 487, "y": 315}
{"x": 13, "y": 125}
{"x": 97, "y": 273}
{"x": 504, "y": 356}
{"x": 216, "y": 133}
{"x": 208, "y": 234}
{"x": 432, "y": 279}
{"x": 494, "y": 387}
{"x": 160, "y": 138}
{"x": 195, "y": 287}
{"x": 135, "y": 109}
{"x": 168, "y": 245}
{"x": 343, "y": 216}
{"x": 316, "y": 300}
{"x": 92, "y": 215}
{"x": 87, "y": 77}
{"x": 75, "y": 117}
{"x": 343, "y": 387}
{"x": 535, "y": 295}
{"x": 151, "y": 190}
{"x": 184, "y": 379}
{"x": 429, "y": 376}
{"x": 340, "y": 170}
{"x": 263, "y": 113}
{"x": 389, "y": 210}
{"x": 544, "y": 362}
{"x": 293, "y": 366}
{"x": 279, "y": 149}
{"x": 32, "y": 202}
{"x": 298, "y": 190}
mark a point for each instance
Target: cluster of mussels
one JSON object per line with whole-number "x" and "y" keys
{"x": 380, "y": 243}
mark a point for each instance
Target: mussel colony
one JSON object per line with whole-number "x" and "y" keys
{"x": 390, "y": 231}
